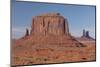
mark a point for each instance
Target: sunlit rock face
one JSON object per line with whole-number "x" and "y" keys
{"x": 51, "y": 23}
{"x": 52, "y": 29}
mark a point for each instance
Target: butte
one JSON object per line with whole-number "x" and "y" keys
{"x": 49, "y": 29}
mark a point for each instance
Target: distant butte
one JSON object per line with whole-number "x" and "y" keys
{"x": 85, "y": 36}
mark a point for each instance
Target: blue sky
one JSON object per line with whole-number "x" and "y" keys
{"x": 79, "y": 17}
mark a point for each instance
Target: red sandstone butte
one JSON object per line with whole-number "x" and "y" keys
{"x": 50, "y": 28}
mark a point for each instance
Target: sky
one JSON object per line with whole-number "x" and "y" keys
{"x": 79, "y": 17}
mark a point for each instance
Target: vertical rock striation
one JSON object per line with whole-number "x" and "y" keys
{"x": 53, "y": 24}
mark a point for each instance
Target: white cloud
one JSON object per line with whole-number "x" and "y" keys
{"x": 18, "y": 32}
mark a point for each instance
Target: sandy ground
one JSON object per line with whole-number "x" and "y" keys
{"x": 38, "y": 54}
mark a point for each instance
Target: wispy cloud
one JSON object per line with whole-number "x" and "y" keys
{"x": 18, "y": 32}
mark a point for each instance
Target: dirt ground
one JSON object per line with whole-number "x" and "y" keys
{"x": 38, "y": 54}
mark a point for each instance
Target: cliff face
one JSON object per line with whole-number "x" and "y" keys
{"x": 53, "y": 24}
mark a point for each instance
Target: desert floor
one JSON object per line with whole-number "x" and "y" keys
{"x": 37, "y": 54}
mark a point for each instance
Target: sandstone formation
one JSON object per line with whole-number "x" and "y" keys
{"x": 27, "y": 33}
{"x": 86, "y": 36}
{"x": 53, "y": 24}
{"x": 51, "y": 28}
